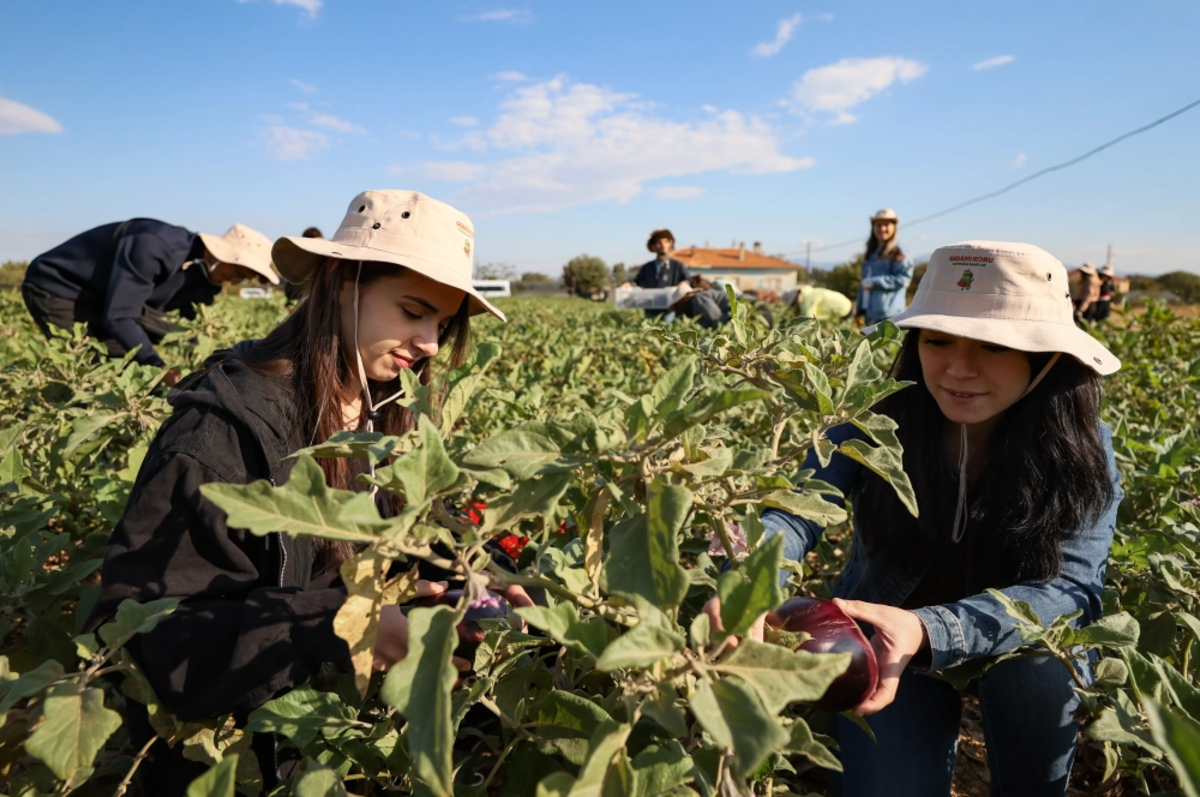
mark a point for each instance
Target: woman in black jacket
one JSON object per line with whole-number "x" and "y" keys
{"x": 255, "y": 618}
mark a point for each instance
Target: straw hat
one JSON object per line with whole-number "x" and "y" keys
{"x": 243, "y": 246}
{"x": 887, "y": 214}
{"x": 406, "y": 228}
{"x": 1010, "y": 294}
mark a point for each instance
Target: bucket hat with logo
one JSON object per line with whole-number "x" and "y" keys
{"x": 1010, "y": 294}
{"x": 406, "y": 228}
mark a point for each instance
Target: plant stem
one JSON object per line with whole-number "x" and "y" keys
{"x": 137, "y": 762}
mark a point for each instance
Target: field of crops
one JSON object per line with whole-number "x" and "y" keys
{"x": 621, "y": 454}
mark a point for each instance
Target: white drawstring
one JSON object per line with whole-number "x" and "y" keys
{"x": 961, "y": 510}
{"x": 372, "y": 408}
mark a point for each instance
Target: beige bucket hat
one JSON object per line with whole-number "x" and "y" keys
{"x": 1010, "y": 294}
{"x": 887, "y": 214}
{"x": 1087, "y": 268}
{"x": 406, "y": 228}
{"x": 1106, "y": 271}
{"x": 243, "y": 246}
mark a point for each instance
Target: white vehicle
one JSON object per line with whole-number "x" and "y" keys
{"x": 254, "y": 293}
{"x": 493, "y": 288}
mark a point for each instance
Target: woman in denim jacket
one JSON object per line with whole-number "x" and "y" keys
{"x": 1017, "y": 490}
{"x": 885, "y": 272}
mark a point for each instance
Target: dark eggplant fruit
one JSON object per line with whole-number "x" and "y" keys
{"x": 832, "y": 631}
{"x": 489, "y": 606}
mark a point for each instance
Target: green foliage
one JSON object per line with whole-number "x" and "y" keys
{"x": 623, "y": 453}
{"x": 12, "y": 273}
{"x": 585, "y": 274}
{"x": 1183, "y": 284}
{"x": 843, "y": 278}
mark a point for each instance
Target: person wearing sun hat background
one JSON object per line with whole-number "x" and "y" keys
{"x": 388, "y": 292}
{"x": 1017, "y": 490}
{"x": 1087, "y": 292}
{"x": 121, "y": 278}
{"x": 885, "y": 271}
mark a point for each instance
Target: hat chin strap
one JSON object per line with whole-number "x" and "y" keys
{"x": 372, "y": 408}
{"x": 961, "y": 508}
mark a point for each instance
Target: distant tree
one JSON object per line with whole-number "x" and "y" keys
{"x": 585, "y": 274}
{"x": 496, "y": 271}
{"x": 1183, "y": 284}
{"x": 1143, "y": 282}
{"x": 12, "y": 273}
{"x": 918, "y": 275}
{"x": 535, "y": 276}
{"x": 619, "y": 274}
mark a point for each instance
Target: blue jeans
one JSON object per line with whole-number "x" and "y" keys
{"x": 1026, "y": 705}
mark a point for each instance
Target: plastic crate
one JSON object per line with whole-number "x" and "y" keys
{"x": 648, "y": 298}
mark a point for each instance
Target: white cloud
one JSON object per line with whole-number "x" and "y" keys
{"x": 18, "y": 118}
{"x": 513, "y": 16}
{"x": 1018, "y": 161}
{"x": 311, "y": 6}
{"x": 331, "y": 122}
{"x": 783, "y": 35}
{"x": 509, "y": 76}
{"x": 464, "y": 121}
{"x": 992, "y": 63}
{"x": 837, "y": 88}
{"x": 453, "y": 171}
{"x": 678, "y": 192}
{"x": 292, "y": 143}
{"x": 561, "y": 144}
{"x": 307, "y": 88}
{"x": 709, "y": 108}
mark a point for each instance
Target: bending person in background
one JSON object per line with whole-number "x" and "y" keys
{"x": 1086, "y": 292}
{"x": 255, "y": 618}
{"x": 822, "y": 304}
{"x": 885, "y": 272}
{"x": 1102, "y": 307}
{"x": 122, "y": 278}
{"x": 1017, "y": 490}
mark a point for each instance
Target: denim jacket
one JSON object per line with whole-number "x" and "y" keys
{"x": 975, "y": 626}
{"x": 888, "y": 280}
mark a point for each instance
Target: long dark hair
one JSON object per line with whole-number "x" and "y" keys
{"x": 889, "y": 249}
{"x": 307, "y": 346}
{"x": 1045, "y": 476}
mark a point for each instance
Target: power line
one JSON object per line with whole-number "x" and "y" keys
{"x": 1023, "y": 180}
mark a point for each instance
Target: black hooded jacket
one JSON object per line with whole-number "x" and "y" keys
{"x": 251, "y": 623}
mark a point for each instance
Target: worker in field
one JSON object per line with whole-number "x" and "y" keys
{"x": 885, "y": 271}
{"x": 663, "y": 271}
{"x": 1086, "y": 292}
{"x": 822, "y": 304}
{"x": 121, "y": 279}
{"x": 1100, "y": 309}
{"x": 292, "y": 291}
{"x": 1015, "y": 490}
{"x": 387, "y": 293}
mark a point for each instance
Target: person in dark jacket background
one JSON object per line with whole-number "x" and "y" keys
{"x": 255, "y": 617}
{"x": 122, "y": 278}
{"x": 663, "y": 271}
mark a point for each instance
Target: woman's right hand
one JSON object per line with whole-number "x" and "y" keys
{"x": 391, "y": 639}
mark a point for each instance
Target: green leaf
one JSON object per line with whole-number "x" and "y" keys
{"x": 12, "y": 468}
{"x": 464, "y": 380}
{"x": 1018, "y": 610}
{"x": 806, "y": 504}
{"x": 643, "y": 554}
{"x": 303, "y": 713}
{"x": 705, "y": 407}
{"x": 803, "y": 742}
{"x": 672, "y": 387}
{"x": 1113, "y": 631}
{"x": 821, "y": 392}
{"x": 736, "y": 720}
{"x": 524, "y": 452}
{"x": 374, "y": 446}
{"x": 220, "y": 781}
{"x": 752, "y": 589}
{"x": 661, "y": 769}
{"x": 782, "y": 676}
{"x": 423, "y": 473}
{"x": 419, "y": 688}
{"x": 885, "y": 460}
{"x": 563, "y": 624}
{"x": 641, "y": 646}
{"x": 319, "y": 782}
{"x": 13, "y": 690}
{"x": 74, "y": 726}
{"x": 566, "y": 723}
{"x": 84, "y": 428}
{"x": 135, "y": 618}
{"x": 532, "y": 498}
{"x": 1111, "y": 673}
{"x": 664, "y": 710}
{"x": 304, "y": 506}
{"x": 1180, "y": 738}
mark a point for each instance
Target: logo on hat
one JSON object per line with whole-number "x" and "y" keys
{"x": 467, "y": 246}
{"x": 965, "y": 281}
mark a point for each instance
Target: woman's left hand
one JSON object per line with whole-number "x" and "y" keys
{"x": 899, "y": 635}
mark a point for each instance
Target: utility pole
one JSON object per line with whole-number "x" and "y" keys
{"x": 1108, "y": 257}
{"x": 807, "y": 255}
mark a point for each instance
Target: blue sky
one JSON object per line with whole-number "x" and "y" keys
{"x": 565, "y": 128}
